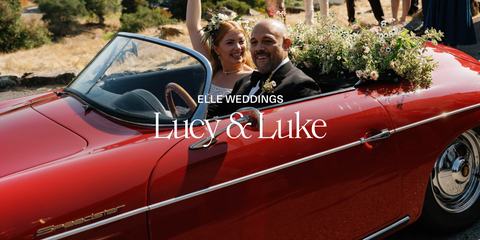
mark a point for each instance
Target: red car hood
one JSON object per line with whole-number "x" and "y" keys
{"x": 39, "y": 129}
{"x": 29, "y": 139}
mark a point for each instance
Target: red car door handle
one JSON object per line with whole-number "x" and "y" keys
{"x": 383, "y": 135}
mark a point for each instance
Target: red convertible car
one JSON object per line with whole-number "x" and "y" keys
{"x": 125, "y": 152}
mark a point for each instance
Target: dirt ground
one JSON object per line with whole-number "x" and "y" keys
{"x": 90, "y": 35}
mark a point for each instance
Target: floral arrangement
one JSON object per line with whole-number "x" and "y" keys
{"x": 215, "y": 22}
{"x": 368, "y": 53}
{"x": 269, "y": 85}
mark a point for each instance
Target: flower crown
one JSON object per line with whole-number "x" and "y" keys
{"x": 218, "y": 19}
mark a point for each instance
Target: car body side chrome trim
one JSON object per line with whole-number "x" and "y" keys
{"x": 200, "y": 192}
{"x": 254, "y": 175}
{"x": 437, "y": 117}
{"x": 98, "y": 224}
{"x": 382, "y": 233}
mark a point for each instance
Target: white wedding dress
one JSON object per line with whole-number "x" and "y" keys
{"x": 218, "y": 91}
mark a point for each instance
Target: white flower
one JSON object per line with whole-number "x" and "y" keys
{"x": 394, "y": 31}
{"x": 222, "y": 17}
{"x": 388, "y": 50}
{"x": 359, "y": 73}
{"x": 367, "y": 50}
{"x": 338, "y": 58}
{"x": 392, "y": 20}
{"x": 374, "y": 75}
{"x": 274, "y": 84}
{"x": 384, "y": 23}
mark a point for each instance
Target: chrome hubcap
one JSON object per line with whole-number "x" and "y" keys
{"x": 455, "y": 177}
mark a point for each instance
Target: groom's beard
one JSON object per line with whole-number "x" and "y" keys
{"x": 267, "y": 67}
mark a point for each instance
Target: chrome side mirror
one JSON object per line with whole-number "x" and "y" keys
{"x": 250, "y": 116}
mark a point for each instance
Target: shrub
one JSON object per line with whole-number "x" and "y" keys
{"x": 240, "y": 8}
{"x": 144, "y": 18}
{"x": 131, "y": 6}
{"x": 101, "y": 8}
{"x": 207, "y": 5}
{"x": 257, "y": 4}
{"x": 15, "y": 33}
{"x": 179, "y": 9}
{"x": 108, "y": 35}
{"x": 61, "y": 14}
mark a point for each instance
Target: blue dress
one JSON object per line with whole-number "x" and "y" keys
{"x": 454, "y": 18}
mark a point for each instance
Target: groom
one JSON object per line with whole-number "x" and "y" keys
{"x": 269, "y": 49}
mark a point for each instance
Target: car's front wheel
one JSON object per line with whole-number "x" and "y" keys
{"x": 451, "y": 201}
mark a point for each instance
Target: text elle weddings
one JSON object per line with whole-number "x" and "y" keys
{"x": 293, "y": 131}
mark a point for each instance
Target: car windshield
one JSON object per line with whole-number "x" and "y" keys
{"x": 128, "y": 80}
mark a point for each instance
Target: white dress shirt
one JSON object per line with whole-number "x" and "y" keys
{"x": 255, "y": 89}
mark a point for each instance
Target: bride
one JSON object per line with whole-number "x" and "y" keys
{"x": 224, "y": 42}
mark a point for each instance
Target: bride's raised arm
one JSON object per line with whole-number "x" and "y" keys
{"x": 194, "y": 13}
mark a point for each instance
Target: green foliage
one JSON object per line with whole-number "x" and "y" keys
{"x": 143, "y": 18}
{"x": 179, "y": 9}
{"x": 368, "y": 53}
{"x": 256, "y": 4}
{"x": 207, "y": 5}
{"x": 15, "y": 33}
{"x": 240, "y": 8}
{"x": 61, "y": 14}
{"x": 132, "y": 6}
{"x": 100, "y": 8}
{"x": 108, "y": 35}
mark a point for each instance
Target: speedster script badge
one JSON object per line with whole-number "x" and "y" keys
{"x": 79, "y": 221}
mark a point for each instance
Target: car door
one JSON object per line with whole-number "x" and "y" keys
{"x": 284, "y": 181}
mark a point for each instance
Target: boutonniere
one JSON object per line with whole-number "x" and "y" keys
{"x": 269, "y": 85}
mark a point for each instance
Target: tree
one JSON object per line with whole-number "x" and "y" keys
{"x": 144, "y": 18}
{"x": 15, "y": 33}
{"x": 131, "y": 6}
{"x": 60, "y": 14}
{"x": 101, "y": 8}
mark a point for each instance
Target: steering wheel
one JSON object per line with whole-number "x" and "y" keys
{"x": 182, "y": 93}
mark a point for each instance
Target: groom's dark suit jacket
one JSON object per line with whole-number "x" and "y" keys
{"x": 291, "y": 82}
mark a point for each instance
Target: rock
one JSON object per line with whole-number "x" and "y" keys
{"x": 26, "y": 74}
{"x": 295, "y": 9}
{"x": 475, "y": 7}
{"x": 169, "y": 31}
{"x": 252, "y": 12}
{"x": 9, "y": 80}
{"x": 415, "y": 25}
{"x": 225, "y": 11}
{"x": 40, "y": 79}
{"x": 209, "y": 13}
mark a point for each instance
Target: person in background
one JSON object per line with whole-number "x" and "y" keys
{"x": 309, "y": 9}
{"x": 454, "y": 18}
{"x": 376, "y": 8}
{"x": 276, "y": 8}
{"x": 224, "y": 43}
{"x": 405, "y": 9}
{"x": 413, "y": 8}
